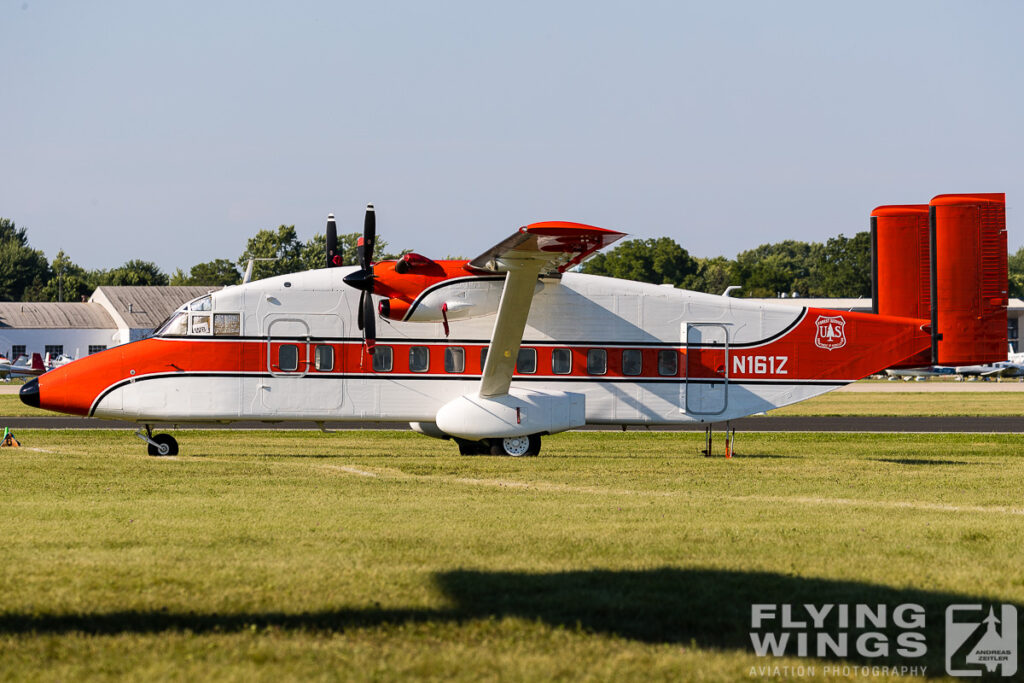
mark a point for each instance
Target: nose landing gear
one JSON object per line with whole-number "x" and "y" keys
{"x": 158, "y": 444}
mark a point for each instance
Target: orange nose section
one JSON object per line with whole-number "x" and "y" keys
{"x": 73, "y": 388}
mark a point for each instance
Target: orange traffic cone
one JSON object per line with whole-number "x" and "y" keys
{"x": 8, "y": 440}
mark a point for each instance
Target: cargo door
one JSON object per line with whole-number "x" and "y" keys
{"x": 707, "y": 368}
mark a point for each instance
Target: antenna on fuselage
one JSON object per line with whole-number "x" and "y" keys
{"x": 248, "y": 267}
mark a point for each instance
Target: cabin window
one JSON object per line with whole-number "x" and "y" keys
{"x": 668, "y": 363}
{"x": 597, "y": 361}
{"x": 227, "y": 324}
{"x": 383, "y": 359}
{"x": 561, "y": 361}
{"x": 454, "y": 359}
{"x": 204, "y": 304}
{"x": 96, "y": 348}
{"x": 419, "y": 358}
{"x": 323, "y": 358}
{"x": 200, "y": 324}
{"x": 483, "y": 358}
{"x": 632, "y": 362}
{"x": 288, "y": 358}
{"x": 176, "y": 326}
{"x": 526, "y": 361}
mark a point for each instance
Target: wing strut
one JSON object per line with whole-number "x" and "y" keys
{"x": 513, "y": 309}
{"x": 549, "y": 248}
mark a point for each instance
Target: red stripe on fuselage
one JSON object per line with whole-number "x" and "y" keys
{"x": 870, "y": 343}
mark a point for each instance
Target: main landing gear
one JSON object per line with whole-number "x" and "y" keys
{"x": 513, "y": 446}
{"x": 158, "y": 444}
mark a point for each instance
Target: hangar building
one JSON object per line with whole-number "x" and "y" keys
{"x": 112, "y": 316}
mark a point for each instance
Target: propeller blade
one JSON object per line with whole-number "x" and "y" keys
{"x": 333, "y": 257}
{"x": 369, "y": 320}
{"x": 368, "y": 240}
{"x": 362, "y": 308}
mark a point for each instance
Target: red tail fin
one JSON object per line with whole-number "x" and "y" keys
{"x": 946, "y": 262}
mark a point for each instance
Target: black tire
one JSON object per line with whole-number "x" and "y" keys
{"x": 165, "y": 445}
{"x": 471, "y": 447}
{"x": 518, "y": 446}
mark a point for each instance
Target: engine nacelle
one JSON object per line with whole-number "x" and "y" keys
{"x": 521, "y": 412}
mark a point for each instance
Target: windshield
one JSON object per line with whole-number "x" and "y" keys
{"x": 175, "y": 326}
{"x": 203, "y": 304}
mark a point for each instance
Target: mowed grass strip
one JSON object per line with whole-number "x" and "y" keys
{"x": 383, "y": 555}
{"x": 907, "y": 404}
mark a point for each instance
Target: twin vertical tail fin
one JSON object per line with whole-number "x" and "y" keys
{"x": 945, "y": 261}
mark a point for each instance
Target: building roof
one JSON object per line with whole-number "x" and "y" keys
{"x": 147, "y": 307}
{"x": 49, "y": 315}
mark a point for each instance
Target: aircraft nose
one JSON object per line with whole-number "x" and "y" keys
{"x": 30, "y": 393}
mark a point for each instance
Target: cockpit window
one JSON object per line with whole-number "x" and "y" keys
{"x": 176, "y": 326}
{"x": 204, "y": 304}
{"x": 200, "y": 324}
{"x": 226, "y": 324}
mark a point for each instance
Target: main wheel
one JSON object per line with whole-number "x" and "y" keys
{"x": 516, "y": 446}
{"x": 165, "y": 445}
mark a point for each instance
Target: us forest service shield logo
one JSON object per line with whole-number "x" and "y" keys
{"x": 831, "y": 332}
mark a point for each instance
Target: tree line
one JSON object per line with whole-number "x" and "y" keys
{"x": 26, "y": 275}
{"x": 838, "y": 267}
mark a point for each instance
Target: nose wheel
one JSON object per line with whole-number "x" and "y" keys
{"x": 158, "y": 444}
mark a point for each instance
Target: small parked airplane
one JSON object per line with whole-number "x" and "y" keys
{"x": 493, "y": 353}
{"x": 23, "y": 366}
{"x": 920, "y": 374}
{"x": 1012, "y": 367}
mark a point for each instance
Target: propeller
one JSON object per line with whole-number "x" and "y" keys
{"x": 362, "y": 279}
{"x": 333, "y": 257}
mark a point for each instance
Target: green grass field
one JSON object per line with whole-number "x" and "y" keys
{"x": 382, "y": 555}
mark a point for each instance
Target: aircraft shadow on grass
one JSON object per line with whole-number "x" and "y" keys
{"x": 707, "y": 608}
{"x": 922, "y": 461}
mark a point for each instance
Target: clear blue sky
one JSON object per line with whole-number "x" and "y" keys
{"x": 174, "y": 131}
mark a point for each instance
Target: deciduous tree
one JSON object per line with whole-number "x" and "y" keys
{"x": 24, "y": 271}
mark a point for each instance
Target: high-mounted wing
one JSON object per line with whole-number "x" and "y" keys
{"x": 540, "y": 248}
{"x": 559, "y": 245}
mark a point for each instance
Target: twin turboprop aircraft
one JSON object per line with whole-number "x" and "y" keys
{"x": 493, "y": 353}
